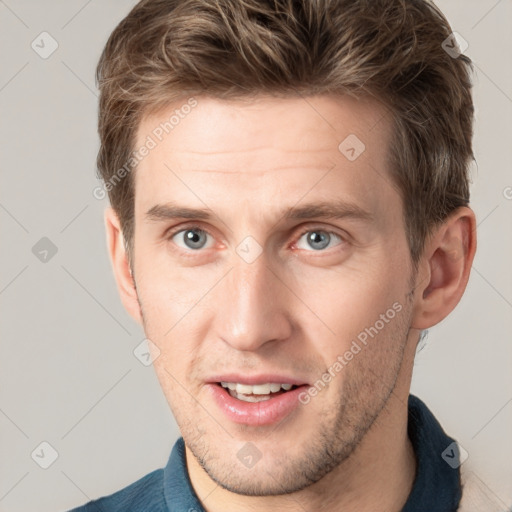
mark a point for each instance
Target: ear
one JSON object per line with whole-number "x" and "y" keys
{"x": 120, "y": 265}
{"x": 444, "y": 269}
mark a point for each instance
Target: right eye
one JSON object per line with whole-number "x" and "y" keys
{"x": 192, "y": 238}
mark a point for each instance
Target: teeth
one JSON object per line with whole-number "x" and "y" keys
{"x": 258, "y": 389}
{"x": 249, "y": 398}
{"x": 243, "y": 388}
{"x": 262, "y": 389}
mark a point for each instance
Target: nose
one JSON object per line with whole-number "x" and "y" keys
{"x": 252, "y": 306}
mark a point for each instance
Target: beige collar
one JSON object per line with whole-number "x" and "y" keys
{"x": 476, "y": 496}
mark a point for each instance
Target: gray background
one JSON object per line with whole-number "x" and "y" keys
{"x": 68, "y": 375}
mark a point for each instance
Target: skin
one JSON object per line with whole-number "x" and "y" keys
{"x": 295, "y": 308}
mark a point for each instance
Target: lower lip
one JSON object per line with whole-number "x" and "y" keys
{"x": 261, "y": 413}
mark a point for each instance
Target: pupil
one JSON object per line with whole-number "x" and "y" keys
{"x": 319, "y": 238}
{"x": 194, "y": 238}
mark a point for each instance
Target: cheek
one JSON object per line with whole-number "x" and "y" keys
{"x": 168, "y": 293}
{"x": 177, "y": 309}
{"x": 175, "y": 388}
{"x": 351, "y": 302}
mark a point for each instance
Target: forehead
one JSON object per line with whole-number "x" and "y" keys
{"x": 264, "y": 149}
{"x": 291, "y": 124}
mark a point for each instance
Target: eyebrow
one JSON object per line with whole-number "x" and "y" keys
{"x": 319, "y": 210}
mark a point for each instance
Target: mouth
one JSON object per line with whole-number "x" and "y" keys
{"x": 256, "y": 401}
{"x": 258, "y": 392}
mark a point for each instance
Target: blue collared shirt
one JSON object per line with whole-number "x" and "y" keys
{"x": 436, "y": 488}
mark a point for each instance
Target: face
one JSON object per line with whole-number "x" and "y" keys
{"x": 271, "y": 249}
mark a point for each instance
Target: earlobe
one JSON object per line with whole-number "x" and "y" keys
{"x": 121, "y": 266}
{"x": 445, "y": 268}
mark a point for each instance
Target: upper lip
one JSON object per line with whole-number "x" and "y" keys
{"x": 257, "y": 379}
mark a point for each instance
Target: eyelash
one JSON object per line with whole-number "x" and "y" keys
{"x": 172, "y": 233}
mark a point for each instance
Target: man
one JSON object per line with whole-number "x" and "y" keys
{"x": 289, "y": 194}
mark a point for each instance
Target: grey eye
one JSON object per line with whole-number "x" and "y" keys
{"x": 317, "y": 240}
{"x": 191, "y": 238}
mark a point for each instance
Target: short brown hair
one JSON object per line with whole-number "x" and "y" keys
{"x": 391, "y": 49}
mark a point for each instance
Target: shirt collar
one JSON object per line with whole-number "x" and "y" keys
{"x": 178, "y": 491}
{"x": 437, "y": 483}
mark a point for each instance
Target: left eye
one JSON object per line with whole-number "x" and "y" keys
{"x": 318, "y": 239}
{"x": 191, "y": 238}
